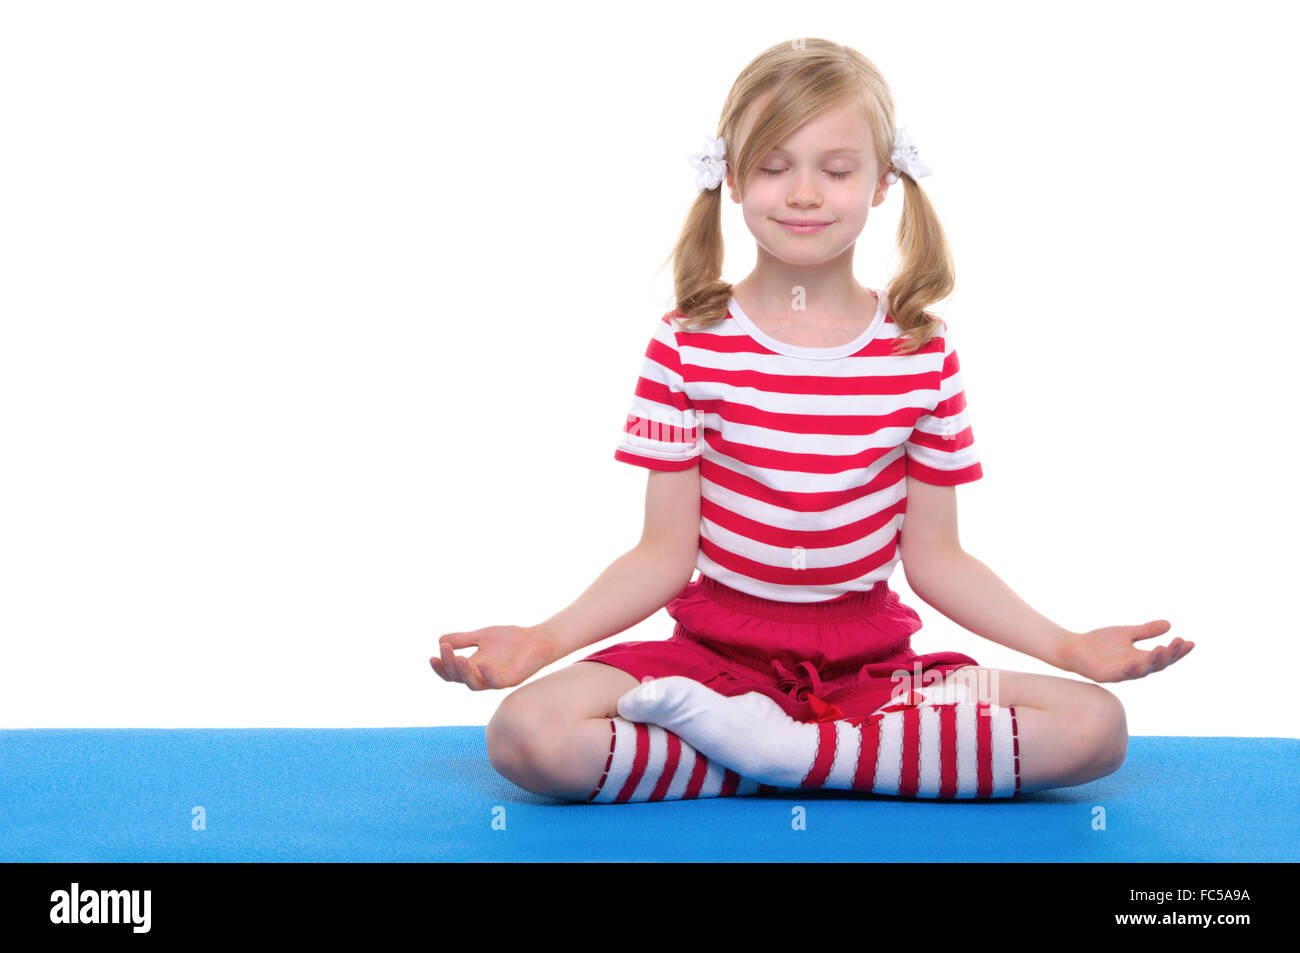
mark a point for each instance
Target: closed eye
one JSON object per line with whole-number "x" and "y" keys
{"x": 836, "y": 175}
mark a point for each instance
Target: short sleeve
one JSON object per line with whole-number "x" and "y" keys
{"x": 661, "y": 432}
{"x": 941, "y": 448}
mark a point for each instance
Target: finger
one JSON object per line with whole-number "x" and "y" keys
{"x": 1138, "y": 669}
{"x": 449, "y": 663}
{"x": 441, "y": 670}
{"x": 1149, "y": 630}
{"x": 1175, "y": 652}
{"x": 460, "y": 640}
{"x": 469, "y": 672}
{"x": 473, "y": 678}
{"x": 1155, "y": 660}
{"x": 1178, "y": 649}
{"x": 1161, "y": 656}
{"x": 462, "y": 668}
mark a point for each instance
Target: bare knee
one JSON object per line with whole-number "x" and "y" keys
{"x": 1110, "y": 732}
{"x": 551, "y": 736}
{"x": 528, "y": 743}
{"x": 513, "y": 744}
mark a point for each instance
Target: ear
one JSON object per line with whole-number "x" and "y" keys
{"x": 882, "y": 190}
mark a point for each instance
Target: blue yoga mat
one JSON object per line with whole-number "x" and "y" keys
{"x": 429, "y": 794}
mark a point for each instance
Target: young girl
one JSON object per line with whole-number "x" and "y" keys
{"x": 788, "y": 424}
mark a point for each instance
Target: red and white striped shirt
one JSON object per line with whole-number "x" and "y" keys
{"x": 804, "y": 452}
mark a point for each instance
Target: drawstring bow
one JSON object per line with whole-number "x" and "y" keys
{"x": 807, "y": 687}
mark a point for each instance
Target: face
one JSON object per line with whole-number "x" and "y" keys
{"x": 809, "y": 178}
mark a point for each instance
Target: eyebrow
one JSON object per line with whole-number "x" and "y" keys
{"x": 828, "y": 152}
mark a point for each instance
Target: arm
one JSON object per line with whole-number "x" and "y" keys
{"x": 940, "y": 449}
{"x": 644, "y": 579}
{"x": 634, "y": 586}
{"x": 951, "y": 580}
{"x": 660, "y": 434}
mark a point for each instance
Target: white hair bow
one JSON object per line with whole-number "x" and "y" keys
{"x": 710, "y": 163}
{"x": 905, "y": 158}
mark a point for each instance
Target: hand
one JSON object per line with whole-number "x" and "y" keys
{"x": 1109, "y": 655}
{"x": 506, "y": 656}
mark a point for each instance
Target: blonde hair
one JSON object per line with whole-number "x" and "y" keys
{"x": 807, "y": 77}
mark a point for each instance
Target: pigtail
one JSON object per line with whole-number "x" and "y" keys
{"x": 700, "y": 293}
{"x": 926, "y": 272}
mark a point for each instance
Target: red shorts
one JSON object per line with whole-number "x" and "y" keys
{"x": 820, "y": 661}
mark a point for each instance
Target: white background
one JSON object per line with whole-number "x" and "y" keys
{"x": 321, "y": 320}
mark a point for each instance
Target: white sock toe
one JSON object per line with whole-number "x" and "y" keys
{"x": 641, "y": 702}
{"x": 645, "y": 701}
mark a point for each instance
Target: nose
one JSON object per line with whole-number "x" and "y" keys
{"x": 803, "y": 190}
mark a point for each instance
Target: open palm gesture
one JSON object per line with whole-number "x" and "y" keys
{"x": 1111, "y": 655}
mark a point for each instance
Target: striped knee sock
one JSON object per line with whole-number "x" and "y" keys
{"x": 648, "y": 763}
{"x": 943, "y": 749}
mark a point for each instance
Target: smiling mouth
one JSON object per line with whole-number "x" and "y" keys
{"x": 807, "y": 228}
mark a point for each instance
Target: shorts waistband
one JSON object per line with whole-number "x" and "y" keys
{"x": 854, "y": 605}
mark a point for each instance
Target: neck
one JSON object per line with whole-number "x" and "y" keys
{"x": 828, "y": 287}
